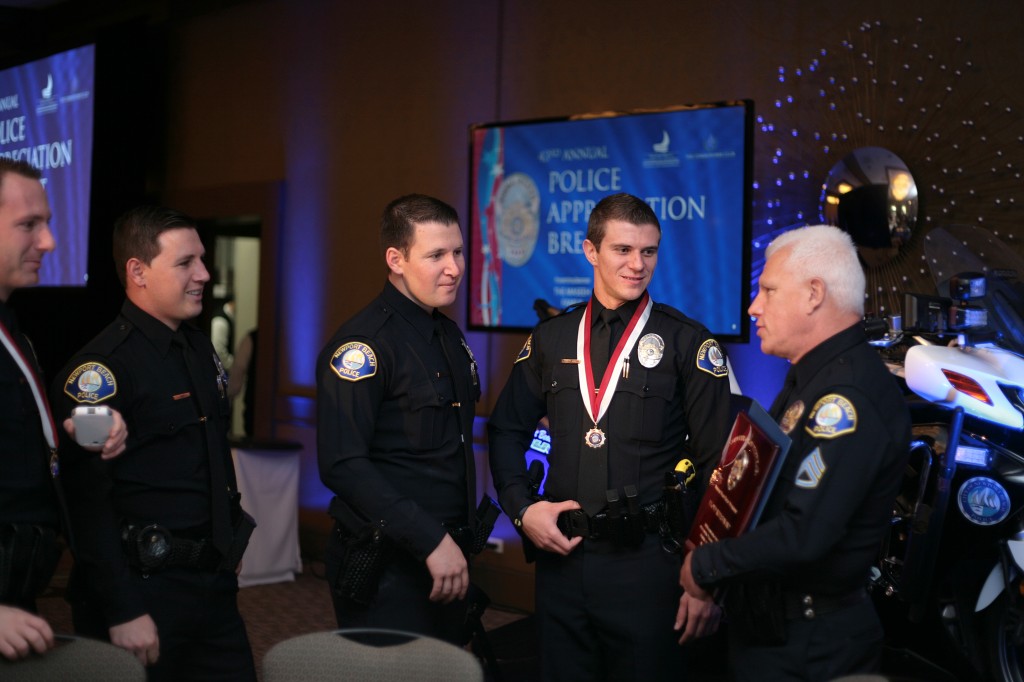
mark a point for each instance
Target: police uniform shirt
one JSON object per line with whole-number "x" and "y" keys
{"x": 824, "y": 521}
{"x": 389, "y": 440}
{"x": 137, "y": 366}
{"x": 672, "y": 404}
{"x": 26, "y": 494}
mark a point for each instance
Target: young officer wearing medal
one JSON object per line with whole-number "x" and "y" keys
{"x": 397, "y": 388}
{"x": 796, "y": 595}
{"x": 159, "y": 531}
{"x": 630, "y": 387}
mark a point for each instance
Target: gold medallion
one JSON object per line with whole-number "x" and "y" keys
{"x": 595, "y": 438}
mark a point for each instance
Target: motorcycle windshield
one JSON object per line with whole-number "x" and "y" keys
{"x": 968, "y": 248}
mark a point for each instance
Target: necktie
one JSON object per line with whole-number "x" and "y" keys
{"x": 220, "y": 509}
{"x": 461, "y": 403}
{"x": 600, "y": 344}
{"x": 592, "y": 483}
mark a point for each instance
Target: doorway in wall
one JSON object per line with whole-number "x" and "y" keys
{"x": 231, "y": 303}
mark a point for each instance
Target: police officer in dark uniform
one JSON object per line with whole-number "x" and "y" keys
{"x": 630, "y": 388}
{"x": 30, "y": 515}
{"x": 397, "y": 387}
{"x": 796, "y": 595}
{"x": 160, "y": 531}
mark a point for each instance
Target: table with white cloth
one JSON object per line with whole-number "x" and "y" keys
{"x": 268, "y": 479}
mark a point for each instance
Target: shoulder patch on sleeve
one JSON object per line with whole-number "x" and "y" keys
{"x": 711, "y": 359}
{"x": 811, "y": 470}
{"x": 90, "y": 383}
{"x": 354, "y": 361}
{"x": 831, "y": 417}
{"x": 526, "y": 350}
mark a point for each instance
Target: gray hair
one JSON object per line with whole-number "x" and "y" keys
{"x": 828, "y": 253}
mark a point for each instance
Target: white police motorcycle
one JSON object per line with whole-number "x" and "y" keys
{"x": 949, "y": 583}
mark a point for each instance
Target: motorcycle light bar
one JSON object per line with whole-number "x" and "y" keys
{"x": 967, "y": 386}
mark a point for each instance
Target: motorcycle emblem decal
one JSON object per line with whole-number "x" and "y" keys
{"x": 811, "y": 471}
{"x": 711, "y": 359}
{"x": 525, "y": 352}
{"x": 90, "y": 383}
{"x": 650, "y": 349}
{"x": 792, "y": 415}
{"x": 354, "y": 361}
{"x": 983, "y": 502}
{"x": 832, "y": 416}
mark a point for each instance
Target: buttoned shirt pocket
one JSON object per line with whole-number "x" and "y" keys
{"x": 561, "y": 387}
{"x": 423, "y": 411}
{"x": 162, "y": 425}
{"x": 647, "y": 400}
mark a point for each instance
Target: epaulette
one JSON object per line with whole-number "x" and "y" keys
{"x": 110, "y": 338}
{"x": 572, "y": 307}
{"x": 672, "y": 312}
{"x": 367, "y": 322}
{"x": 679, "y": 315}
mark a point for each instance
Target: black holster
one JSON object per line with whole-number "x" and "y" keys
{"x": 680, "y": 503}
{"x": 243, "y": 527}
{"x": 626, "y": 523}
{"x": 366, "y": 556}
{"x": 28, "y": 559}
{"x": 483, "y": 525}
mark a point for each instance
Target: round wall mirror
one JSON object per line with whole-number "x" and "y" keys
{"x": 872, "y": 195}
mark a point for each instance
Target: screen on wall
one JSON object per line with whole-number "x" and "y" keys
{"x": 534, "y": 183}
{"x": 46, "y": 119}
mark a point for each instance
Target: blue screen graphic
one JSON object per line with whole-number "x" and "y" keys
{"x": 535, "y": 183}
{"x": 46, "y": 119}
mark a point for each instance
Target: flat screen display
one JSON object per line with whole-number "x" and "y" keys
{"x": 46, "y": 119}
{"x": 534, "y": 183}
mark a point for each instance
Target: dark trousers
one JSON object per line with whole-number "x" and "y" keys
{"x": 607, "y": 614}
{"x": 202, "y": 636}
{"x": 402, "y": 601}
{"x": 843, "y": 642}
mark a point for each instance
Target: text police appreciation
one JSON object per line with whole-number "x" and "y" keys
{"x": 604, "y": 180}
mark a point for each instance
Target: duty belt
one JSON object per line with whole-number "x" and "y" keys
{"x": 808, "y": 606}
{"x": 600, "y": 526}
{"x": 153, "y": 548}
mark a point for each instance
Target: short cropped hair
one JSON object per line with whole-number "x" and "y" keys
{"x": 18, "y": 167}
{"x": 396, "y": 224}
{"x": 136, "y": 234}
{"x": 624, "y": 207}
{"x": 828, "y": 253}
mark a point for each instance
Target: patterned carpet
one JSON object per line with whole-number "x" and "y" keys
{"x": 275, "y": 612}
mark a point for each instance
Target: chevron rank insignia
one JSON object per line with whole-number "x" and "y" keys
{"x": 811, "y": 471}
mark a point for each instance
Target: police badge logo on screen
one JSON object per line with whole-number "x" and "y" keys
{"x": 517, "y": 214}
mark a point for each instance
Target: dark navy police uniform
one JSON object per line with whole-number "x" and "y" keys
{"x": 29, "y": 518}
{"x": 606, "y": 611}
{"x": 808, "y": 559}
{"x": 176, "y": 473}
{"x": 396, "y": 396}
